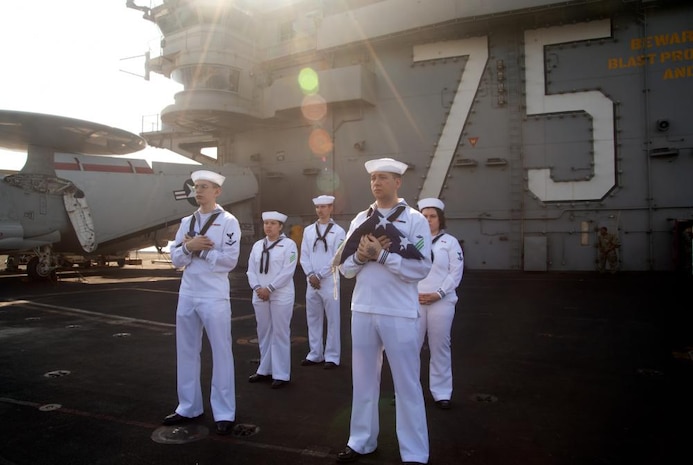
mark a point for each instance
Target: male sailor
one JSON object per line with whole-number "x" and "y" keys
{"x": 207, "y": 245}
{"x": 387, "y": 250}
{"x": 318, "y": 246}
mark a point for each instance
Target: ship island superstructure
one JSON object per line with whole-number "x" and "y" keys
{"x": 536, "y": 122}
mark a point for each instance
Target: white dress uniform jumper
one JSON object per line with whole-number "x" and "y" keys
{"x": 272, "y": 265}
{"x": 436, "y": 319}
{"x": 385, "y": 314}
{"x": 204, "y": 303}
{"x": 318, "y": 247}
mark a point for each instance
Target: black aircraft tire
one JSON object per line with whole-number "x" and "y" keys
{"x": 36, "y": 272}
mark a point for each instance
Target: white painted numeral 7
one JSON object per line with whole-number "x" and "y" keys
{"x": 476, "y": 48}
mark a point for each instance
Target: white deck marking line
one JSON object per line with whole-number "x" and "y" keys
{"x": 146, "y": 425}
{"x": 59, "y": 309}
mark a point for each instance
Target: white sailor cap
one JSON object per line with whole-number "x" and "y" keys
{"x": 323, "y": 200}
{"x": 274, "y": 216}
{"x": 388, "y": 165}
{"x": 431, "y": 202}
{"x": 204, "y": 175}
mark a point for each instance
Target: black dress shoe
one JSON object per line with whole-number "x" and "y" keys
{"x": 277, "y": 383}
{"x": 309, "y": 363}
{"x": 174, "y": 419}
{"x": 330, "y": 365}
{"x": 349, "y": 455}
{"x": 258, "y": 378}
{"x": 224, "y": 427}
{"x": 443, "y": 404}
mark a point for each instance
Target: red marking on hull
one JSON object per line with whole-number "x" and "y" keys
{"x": 67, "y": 166}
{"x": 103, "y": 168}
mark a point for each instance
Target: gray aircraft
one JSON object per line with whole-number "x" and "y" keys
{"x": 75, "y": 200}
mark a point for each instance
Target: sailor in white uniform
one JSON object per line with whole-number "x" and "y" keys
{"x": 438, "y": 296}
{"x": 318, "y": 246}
{"x": 207, "y": 245}
{"x": 270, "y": 274}
{"x": 388, "y": 250}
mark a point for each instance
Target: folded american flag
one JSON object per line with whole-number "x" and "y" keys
{"x": 378, "y": 225}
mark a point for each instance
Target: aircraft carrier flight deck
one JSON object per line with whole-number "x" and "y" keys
{"x": 560, "y": 368}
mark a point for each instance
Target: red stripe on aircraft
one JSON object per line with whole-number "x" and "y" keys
{"x": 66, "y": 166}
{"x": 107, "y": 168}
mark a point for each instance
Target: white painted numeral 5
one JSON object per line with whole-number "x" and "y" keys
{"x": 596, "y": 104}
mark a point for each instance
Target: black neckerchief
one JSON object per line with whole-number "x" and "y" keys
{"x": 265, "y": 252}
{"x": 191, "y": 231}
{"x": 324, "y": 236}
{"x": 435, "y": 239}
{"x": 398, "y": 211}
{"x": 208, "y": 223}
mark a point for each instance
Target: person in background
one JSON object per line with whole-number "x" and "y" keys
{"x": 207, "y": 245}
{"x": 437, "y": 296}
{"x": 318, "y": 246}
{"x": 388, "y": 251}
{"x": 607, "y": 245}
{"x": 271, "y": 267}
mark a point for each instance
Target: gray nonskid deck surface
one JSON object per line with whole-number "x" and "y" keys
{"x": 567, "y": 368}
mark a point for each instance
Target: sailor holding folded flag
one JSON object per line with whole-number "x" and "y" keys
{"x": 388, "y": 251}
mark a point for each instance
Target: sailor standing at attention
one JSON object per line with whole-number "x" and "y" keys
{"x": 319, "y": 245}
{"x": 437, "y": 296}
{"x": 270, "y": 274}
{"x": 207, "y": 245}
{"x": 388, "y": 250}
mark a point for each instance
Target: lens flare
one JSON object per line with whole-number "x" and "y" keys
{"x": 320, "y": 142}
{"x": 308, "y": 81}
{"x": 314, "y": 107}
{"x": 327, "y": 181}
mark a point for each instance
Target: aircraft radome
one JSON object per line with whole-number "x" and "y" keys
{"x": 76, "y": 199}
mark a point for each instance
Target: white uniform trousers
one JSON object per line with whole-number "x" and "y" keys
{"x": 436, "y": 321}
{"x": 274, "y": 337}
{"x": 194, "y": 314}
{"x": 398, "y": 336}
{"x": 321, "y": 304}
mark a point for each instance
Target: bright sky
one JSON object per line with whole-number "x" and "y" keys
{"x": 65, "y": 58}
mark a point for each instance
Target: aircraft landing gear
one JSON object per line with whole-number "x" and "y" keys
{"x": 42, "y": 266}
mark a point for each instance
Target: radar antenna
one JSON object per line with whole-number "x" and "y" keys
{"x": 147, "y": 11}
